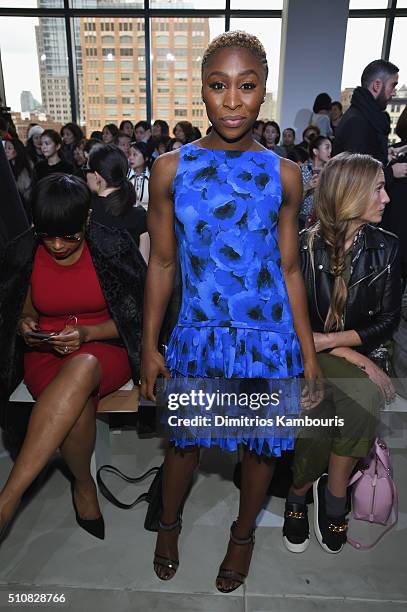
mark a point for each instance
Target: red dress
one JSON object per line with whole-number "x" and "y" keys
{"x": 58, "y": 292}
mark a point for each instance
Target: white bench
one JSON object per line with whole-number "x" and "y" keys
{"x": 125, "y": 399}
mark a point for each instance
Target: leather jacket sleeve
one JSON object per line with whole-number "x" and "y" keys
{"x": 385, "y": 322}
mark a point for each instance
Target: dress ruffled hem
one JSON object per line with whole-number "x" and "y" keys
{"x": 232, "y": 352}
{"x": 266, "y": 446}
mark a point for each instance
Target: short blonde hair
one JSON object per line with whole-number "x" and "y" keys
{"x": 240, "y": 39}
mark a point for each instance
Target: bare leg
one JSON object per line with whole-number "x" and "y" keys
{"x": 54, "y": 414}
{"x": 256, "y": 477}
{"x": 179, "y": 466}
{"x": 340, "y": 469}
{"x": 77, "y": 450}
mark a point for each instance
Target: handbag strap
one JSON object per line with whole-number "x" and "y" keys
{"x": 109, "y": 495}
{"x": 361, "y": 546}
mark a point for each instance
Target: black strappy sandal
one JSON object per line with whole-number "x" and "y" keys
{"x": 171, "y": 565}
{"x": 230, "y": 574}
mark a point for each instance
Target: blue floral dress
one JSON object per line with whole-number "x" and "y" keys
{"x": 235, "y": 319}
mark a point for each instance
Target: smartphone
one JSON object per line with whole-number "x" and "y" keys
{"x": 41, "y": 335}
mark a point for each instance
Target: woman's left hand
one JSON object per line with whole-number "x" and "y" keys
{"x": 322, "y": 342}
{"x": 68, "y": 340}
{"x": 313, "y": 391}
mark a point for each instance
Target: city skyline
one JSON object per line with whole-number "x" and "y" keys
{"x": 19, "y": 58}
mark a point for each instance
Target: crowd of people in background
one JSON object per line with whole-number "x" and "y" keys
{"x": 46, "y": 151}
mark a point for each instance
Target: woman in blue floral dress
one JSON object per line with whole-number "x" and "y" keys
{"x": 229, "y": 207}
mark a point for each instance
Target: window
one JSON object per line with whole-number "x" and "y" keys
{"x": 124, "y": 39}
{"x": 357, "y": 56}
{"x": 126, "y": 51}
{"x": 107, "y": 40}
{"x": 180, "y": 112}
{"x": 110, "y": 100}
{"x": 128, "y": 99}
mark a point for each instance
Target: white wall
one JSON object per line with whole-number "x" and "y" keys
{"x": 311, "y": 58}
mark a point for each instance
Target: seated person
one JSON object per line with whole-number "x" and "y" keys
{"x": 81, "y": 325}
{"x": 51, "y": 144}
{"x": 114, "y": 201}
{"x": 352, "y": 277}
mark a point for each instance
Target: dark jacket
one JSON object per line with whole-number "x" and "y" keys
{"x": 394, "y": 217}
{"x": 364, "y": 128}
{"x": 121, "y": 272}
{"x": 374, "y": 290}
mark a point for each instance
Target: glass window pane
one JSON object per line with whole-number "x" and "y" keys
{"x": 31, "y": 3}
{"x": 39, "y": 53}
{"x": 269, "y": 33}
{"x": 105, "y": 63}
{"x": 398, "y": 56}
{"x": 368, "y": 4}
{"x": 360, "y": 50}
{"x": 180, "y": 4}
{"x": 177, "y": 46}
{"x": 134, "y": 4}
{"x": 270, "y": 5}
{"x": 401, "y": 3}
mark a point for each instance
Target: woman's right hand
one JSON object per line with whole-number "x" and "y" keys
{"x": 312, "y": 183}
{"x": 29, "y": 324}
{"x": 152, "y": 364}
{"x": 381, "y": 379}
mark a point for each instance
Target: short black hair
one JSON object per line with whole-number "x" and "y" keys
{"x": 53, "y": 134}
{"x": 144, "y": 124}
{"x": 275, "y": 125}
{"x": 323, "y": 101}
{"x": 378, "y": 69}
{"x": 60, "y": 204}
{"x": 123, "y": 123}
{"x": 292, "y": 130}
{"x": 338, "y": 104}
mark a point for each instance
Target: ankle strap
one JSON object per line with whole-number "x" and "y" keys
{"x": 241, "y": 541}
{"x": 170, "y": 526}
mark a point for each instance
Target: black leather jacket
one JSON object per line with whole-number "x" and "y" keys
{"x": 374, "y": 290}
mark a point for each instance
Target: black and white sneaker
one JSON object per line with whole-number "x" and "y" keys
{"x": 330, "y": 531}
{"x": 296, "y": 527}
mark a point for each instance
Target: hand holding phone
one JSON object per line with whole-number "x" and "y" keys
{"x": 42, "y": 336}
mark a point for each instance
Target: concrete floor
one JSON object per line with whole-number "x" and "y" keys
{"x": 46, "y": 552}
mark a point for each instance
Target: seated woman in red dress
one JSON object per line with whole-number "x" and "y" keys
{"x": 85, "y": 299}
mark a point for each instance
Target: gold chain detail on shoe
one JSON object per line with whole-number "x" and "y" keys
{"x": 337, "y": 528}
{"x": 295, "y": 515}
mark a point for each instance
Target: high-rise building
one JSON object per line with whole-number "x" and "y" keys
{"x": 114, "y": 69}
{"x": 53, "y": 65}
{"x": 28, "y": 102}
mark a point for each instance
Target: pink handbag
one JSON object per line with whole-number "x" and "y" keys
{"x": 374, "y": 494}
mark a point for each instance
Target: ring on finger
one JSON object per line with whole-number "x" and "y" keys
{"x": 66, "y": 349}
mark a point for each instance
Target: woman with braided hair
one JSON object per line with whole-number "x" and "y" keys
{"x": 351, "y": 272}
{"x": 231, "y": 207}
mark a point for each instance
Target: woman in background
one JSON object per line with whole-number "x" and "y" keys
{"x": 271, "y": 138}
{"x": 22, "y": 168}
{"x": 114, "y": 201}
{"x": 319, "y": 152}
{"x": 51, "y": 144}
